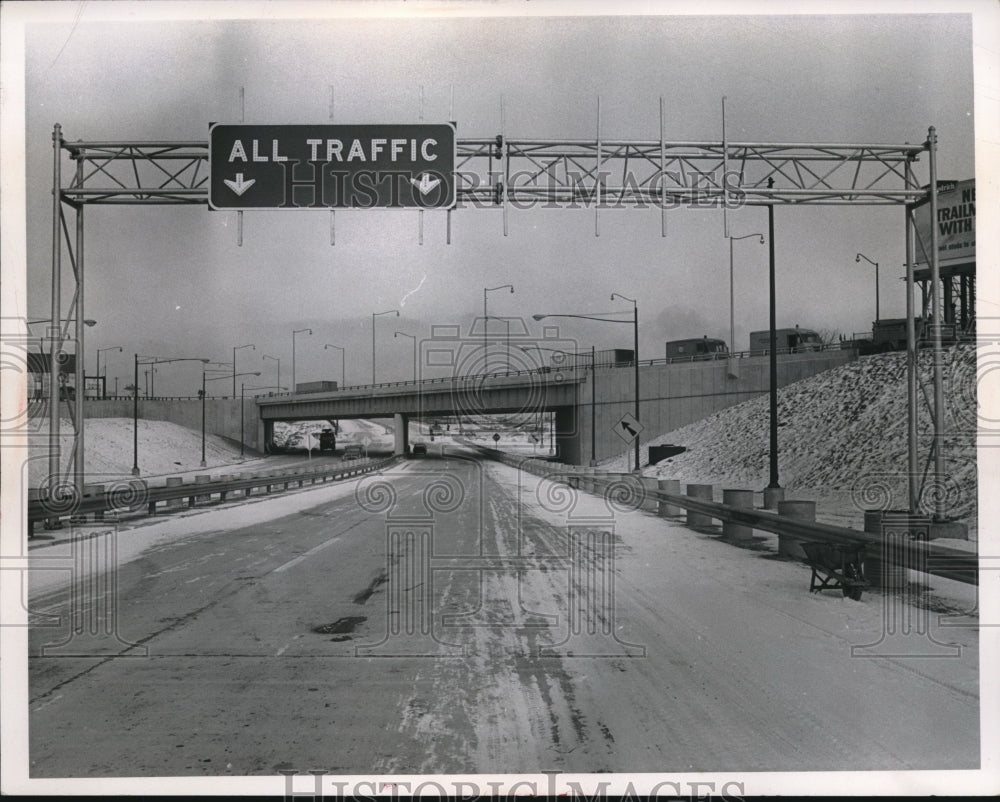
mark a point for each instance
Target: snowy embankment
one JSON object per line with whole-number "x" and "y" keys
{"x": 842, "y": 440}
{"x": 164, "y": 448}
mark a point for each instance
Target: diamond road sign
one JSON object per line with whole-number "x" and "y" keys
{"x": 332, "y": 166}
{"x": 628, "y": 427}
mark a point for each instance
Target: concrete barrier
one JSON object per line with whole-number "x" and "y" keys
{"x": 737, "y": 498}
{"x": 697, "y": 518}
{"x": 175, "y": 481}
{"x": 673, "y": 487}
{"x": 799, "y": 511}
{"x": 773, "y": 496}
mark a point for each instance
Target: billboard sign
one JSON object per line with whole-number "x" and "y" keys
{"x": 956, "y": 224}
{"x": 332, "y": 166}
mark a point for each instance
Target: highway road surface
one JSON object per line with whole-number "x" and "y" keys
{"x": 451, "y": 616}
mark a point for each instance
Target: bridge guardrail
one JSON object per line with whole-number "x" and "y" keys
{"x": 938, "y": 560}
{"x": 543, "y": 370}
{"x": 134, "y": 494}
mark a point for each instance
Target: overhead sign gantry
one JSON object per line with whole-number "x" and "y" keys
{"x": 333, "y": 166}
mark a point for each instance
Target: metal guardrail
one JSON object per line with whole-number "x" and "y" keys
{"x": 135, "y": 494}
{"x": 943, "y": 561}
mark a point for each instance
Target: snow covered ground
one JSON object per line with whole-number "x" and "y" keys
{"x": 164, "y": 448}
{"x": 841, "y": 440}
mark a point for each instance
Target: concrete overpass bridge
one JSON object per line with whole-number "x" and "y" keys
{"x": 586, "y": 404}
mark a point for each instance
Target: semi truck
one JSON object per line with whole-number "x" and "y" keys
{"x": 316, "y": 387}
{"x": 696, "y": 349}
{"x": 789, "y": 341}
{"x": 889, "y": 334}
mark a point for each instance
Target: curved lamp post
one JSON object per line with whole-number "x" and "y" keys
{"x": 375, "y": 315}
{"x": 486, "y": 320}
{"x": 237, "y": 348}
{"x": 104, "y": 388}
{"x": 412, "y": 337}
{"x": 635, "y": 322}
{"x": 858, "y": 259}
{"x": 732, "y": 299}
{"x": 297, "y": 331}
{"x": 275, "y": 359}
{"x": 343, "y": 381}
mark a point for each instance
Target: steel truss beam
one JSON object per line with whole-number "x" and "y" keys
{"x": 571, "y": 172}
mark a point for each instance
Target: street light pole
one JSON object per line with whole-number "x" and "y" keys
{"x": 375, "y": 315}
{"x": 773, "y": 361}
{"x": 297, "y": 331}
{"x": 274, "y": 358}
{"x": 486, "y": 322}
{"x": 343, "y": 381}
{"x": 237, "y": 348}
{"x": 732, "y": 294}
{"x": 412, "y": 337}
{"x": 104, "y": 390}
{"x": 203, "y": 394}
{"x": 858, "y": 259}
{"x": 635, "y": 322}
{"x": 135, "y": 419}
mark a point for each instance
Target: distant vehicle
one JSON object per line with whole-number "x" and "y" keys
{"x": 419, "y": 449}
{"x": 696, "y": 349}
{"x": 327, "y": 440}
{"x": 606, "y": 357}
{"x": 315, "y": 387}
{"x": 789, "y": 341}
{"x": 889, "y": 334}
{"x": 352, "y": 451}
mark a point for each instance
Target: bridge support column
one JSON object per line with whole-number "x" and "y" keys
{"x": 401, "y": 424}
{"x": 568, "y": 439}
{"x": 265, "y": 434}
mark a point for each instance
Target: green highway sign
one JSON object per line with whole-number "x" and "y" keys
{"x": 332, "y": 166}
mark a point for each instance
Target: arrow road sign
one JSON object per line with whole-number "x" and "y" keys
{"x": 239, "y": 186}
{"x": 332, "y": 166}
{"x": 628, "y": 428}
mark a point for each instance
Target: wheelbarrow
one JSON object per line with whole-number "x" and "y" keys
{"x": 836, "y": 566}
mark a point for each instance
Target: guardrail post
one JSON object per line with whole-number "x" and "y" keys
{"x": 202, "y": 479}
{"x": 95, "y": 490}
{"x": 698, "y": 518}
{"x": 799, "y": 511}
{"x": 737, "y": 498}
{"x": 650, "y": 485}
{"x": 894, "y": 528}
{"x": 672, "y": 487}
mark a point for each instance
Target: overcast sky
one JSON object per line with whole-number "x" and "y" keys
{"x": 173, "y": 282}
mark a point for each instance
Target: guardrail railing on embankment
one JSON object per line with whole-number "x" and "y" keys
{"x": 637, "y": 492}
{"x": 132, "y": 495}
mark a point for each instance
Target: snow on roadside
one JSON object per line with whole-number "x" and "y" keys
{"x": 145, "y": 533}
{"x": 164, "y": 448}
{"x": 842, "y": 439}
